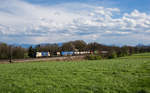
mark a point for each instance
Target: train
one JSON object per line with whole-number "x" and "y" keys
{"x": 63, "y": 53}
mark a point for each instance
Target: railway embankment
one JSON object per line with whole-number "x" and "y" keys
{"x": 64, "y": 58}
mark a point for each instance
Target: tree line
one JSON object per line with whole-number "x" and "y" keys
{"x": 96, "y": 48}
{"x": 17, "y": 52}
{"x": 7, "y": 51}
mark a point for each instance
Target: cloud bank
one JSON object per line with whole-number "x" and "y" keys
{"x": 22, "y": 22}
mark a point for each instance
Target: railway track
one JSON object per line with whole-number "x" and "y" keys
{"x": 67, "y": 58}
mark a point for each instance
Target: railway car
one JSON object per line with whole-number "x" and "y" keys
{"x": 56, "y": 53}
{"x": 88, "y": 52}
{"x": 67, "y": 53}
{"x": 82, "y": 53}
{"x": 42, "y": 54}
{"x": 76, "y": 53}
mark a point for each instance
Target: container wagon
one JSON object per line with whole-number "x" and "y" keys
{"x": 67, "y": 53}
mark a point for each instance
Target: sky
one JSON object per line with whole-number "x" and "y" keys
{"x": 111, "y": 22}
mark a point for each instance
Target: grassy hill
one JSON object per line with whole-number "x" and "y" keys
{"x": 122, "y": 75}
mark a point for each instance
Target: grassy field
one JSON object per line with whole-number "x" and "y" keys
{"x": 122, "y": 75}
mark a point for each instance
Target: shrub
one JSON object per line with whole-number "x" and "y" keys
{"x": 93, "y": 57}
{"x": 112, "y": 55}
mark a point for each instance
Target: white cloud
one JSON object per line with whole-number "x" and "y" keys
{"x": 71, "y": 21}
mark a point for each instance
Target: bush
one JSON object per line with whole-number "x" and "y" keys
{"x": 112, "y": 55}
{"x": 93, "y": 57}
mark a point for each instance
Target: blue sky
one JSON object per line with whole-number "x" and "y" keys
{"x": 142, "y": 5}
{"x": 118, "y": 22}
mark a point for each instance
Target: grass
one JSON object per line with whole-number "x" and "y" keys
{"x": 139, "y": 56}
{"x": 122, "y": 75}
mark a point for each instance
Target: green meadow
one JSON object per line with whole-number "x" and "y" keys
{"x": 122, "y": 75}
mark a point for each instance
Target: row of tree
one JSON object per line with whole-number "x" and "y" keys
{"x": 8, "y": 51}
{"x": 17, "y": 52}
{"x": 80, "y": 45}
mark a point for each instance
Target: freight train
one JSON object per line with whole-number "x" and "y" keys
{"x": 63, "y": 53}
